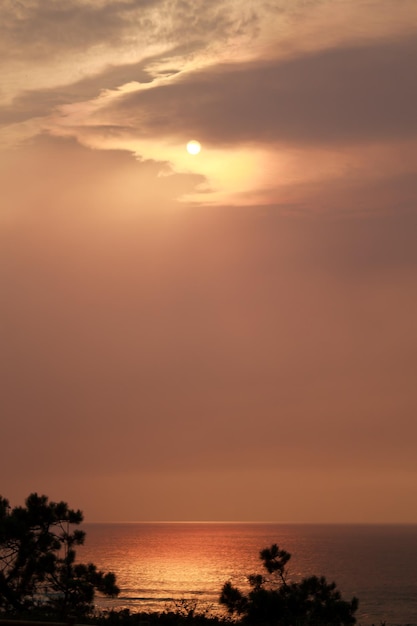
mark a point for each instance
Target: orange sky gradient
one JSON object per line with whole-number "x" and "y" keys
{"x": 225, "y": 336}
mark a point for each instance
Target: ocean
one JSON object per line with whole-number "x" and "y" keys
{"x": 159, "y": 564}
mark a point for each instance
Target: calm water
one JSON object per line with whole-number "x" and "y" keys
{"x": 158, "y": 563}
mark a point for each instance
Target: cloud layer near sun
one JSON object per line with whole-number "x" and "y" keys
{"x": 253, "y": 83}
{"x": 224, "y": 326}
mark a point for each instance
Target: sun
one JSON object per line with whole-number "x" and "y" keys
{"x": 193, "y": 147}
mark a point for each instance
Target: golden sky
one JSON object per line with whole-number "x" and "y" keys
{"x": 224, "y": 336}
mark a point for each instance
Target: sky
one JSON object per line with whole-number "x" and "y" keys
{"x": 224, "y": 336}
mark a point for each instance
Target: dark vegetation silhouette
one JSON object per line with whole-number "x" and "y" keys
{"x": 275, "y": 600}
{"x": 39, "y": 575}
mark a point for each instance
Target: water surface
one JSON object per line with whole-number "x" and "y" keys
{"x": 157, "y": 563}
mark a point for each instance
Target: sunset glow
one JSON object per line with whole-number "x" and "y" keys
{"x": 208, "y": 258}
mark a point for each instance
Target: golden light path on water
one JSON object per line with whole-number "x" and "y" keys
{"x": 157, "y": 563}
{"x": 161, "y": 562}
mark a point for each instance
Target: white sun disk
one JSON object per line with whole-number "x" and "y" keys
{"x": 193, "y": 147}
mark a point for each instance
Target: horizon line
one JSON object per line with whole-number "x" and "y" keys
{"x": 323, "y": 523}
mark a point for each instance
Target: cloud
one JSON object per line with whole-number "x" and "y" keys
{"x": 58, "y": 54}
{"x": 45, "y": 25}
{"x": 65, "y": 182}
{"x": 42, "y": 102}
{"x": 337, "y": 96}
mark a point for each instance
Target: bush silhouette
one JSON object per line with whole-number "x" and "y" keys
{"x": 274, "y": 600}
{"x": 38, "y": 572}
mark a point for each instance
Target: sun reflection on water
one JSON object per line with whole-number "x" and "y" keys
{"x": 157, "y": 564}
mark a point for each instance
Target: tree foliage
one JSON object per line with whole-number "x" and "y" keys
{"x": 275, "y": 600}
{"x": 38, "y": 568}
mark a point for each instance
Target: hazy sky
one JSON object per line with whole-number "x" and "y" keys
{"x": 227, "y": 336}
